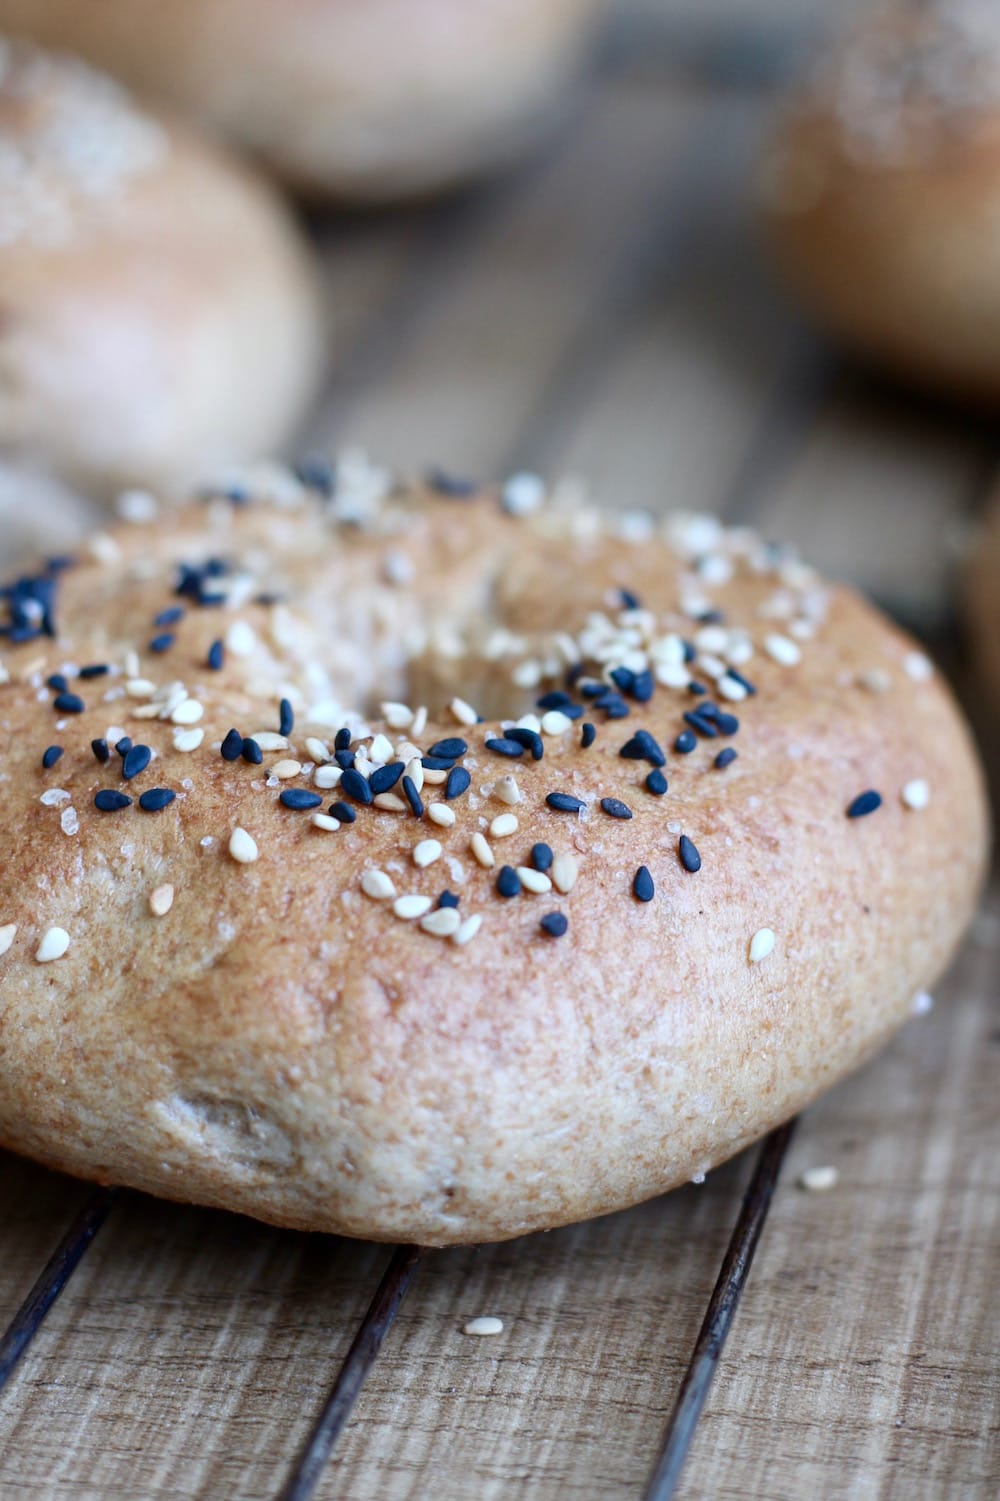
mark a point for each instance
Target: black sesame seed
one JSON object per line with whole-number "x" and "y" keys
{"x": 156, "y": 798}
{"x": 629, "y": 601}
{"x": 68, "y": 703}
{"x": 642, "y": 885}
{"x": 685, "y": 743}
{"x": 643, "y": 686}
{"x": 614, "y": 808}
{"x": 689, "y": 652}
{"x": 317, "y": 473}
{"x": 57, "y": 682}
{"x": 725, "y": 758}
{"x": 123, "y": 746}
{"x": 530, "y": 739}
{"x": 162, "y": 643}
{"x": 356, "y": 786}
{"x": 216, "y": 656}
{"x": 696, "y": 688}
{"x": 613, "y": 706}
{"x": 110, "y": 801}
{"x": 623, "y": 678}
{"x": 701, "y": 723}
{"x": 451, "y": 486}
{"x": 450, "y": 749}
{"x": 232, "y": 746}
{"x": 300, "y": 798}
{"x": 170, "y": 616}
{"x": 386, "y": 777}
{"x": 643, "y": 747}
{"x": 588, "y": 735}
{"x": 541, "y": 856}
{"x": 711, "y": 617}
{"x": 342, "y": 740}
{"x": 865, "y": 802}
{"x": 94, "y": 670}
{"x": 656, "y": 783}
{"x": 413, "y": 797}
{"x": 690, "y": 858}
{"x": 554, "y": 924}
{"x": 743, "y": 682}
{"x": 502, "y": 746}
{"x": 508, "y": 881}
{"x": 726, "y": 724}
{"x": 101, "y": 751}
{"x": 51, "y": 756}
{"x": 343, "y": 811}
{"x": 554, "y": 699}
{"x": 447, "y": 899}
{"x": 252, "y": 752}
{"x": 135, "y": 761}
{"x": 286, "y": 718}
{"x": 564, "y": 802}
{"x": 344, "y": 759}
{"x": 458, "y": 782}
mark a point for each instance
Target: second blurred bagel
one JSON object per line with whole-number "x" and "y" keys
{"x": 365, "y": 99}
{"x": 882, "y": 192}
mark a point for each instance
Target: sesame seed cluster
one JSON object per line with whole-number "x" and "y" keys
{"x": 70, "y": 140}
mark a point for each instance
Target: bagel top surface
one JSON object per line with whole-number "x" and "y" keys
{"x": 509, "y": 981}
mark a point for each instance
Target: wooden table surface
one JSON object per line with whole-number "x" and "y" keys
{"x": 604, "y": 312}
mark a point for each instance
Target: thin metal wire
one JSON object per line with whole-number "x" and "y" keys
{"x": 360, "y": 1358}
{"x": 719, "y": 1316}
{"x": 53, "y": 1278}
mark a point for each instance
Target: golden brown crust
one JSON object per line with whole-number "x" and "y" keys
{"x": 280, "y": 1042}
{"x": 368, "y": 101}
{"x": 158, "y": 311}
{"x": 880, "y": 192}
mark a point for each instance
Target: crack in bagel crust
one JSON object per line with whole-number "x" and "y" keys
{"x": 522, "y": 861}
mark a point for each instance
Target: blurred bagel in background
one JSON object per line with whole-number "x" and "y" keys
{"x": 39, "y": 514}
{"x": 158, "y": 310}
{"x": 881, "y": 192}
{"x": 357, "y": 99}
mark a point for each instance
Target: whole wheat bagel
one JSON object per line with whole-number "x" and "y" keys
{"x": 215, "y": 988}
{"x": 363, "y": 99}
{"x": 158, "y": 311}
{"x": 882, "y": 192}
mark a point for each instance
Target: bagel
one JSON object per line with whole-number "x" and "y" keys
{"x": 216, "y": 989}
{"x": 881, "y": 193}
{"x": 369, "y": 101}
{"x": 158, "y": 311}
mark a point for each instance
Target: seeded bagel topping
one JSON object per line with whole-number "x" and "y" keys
{"x": 262, "y": 676}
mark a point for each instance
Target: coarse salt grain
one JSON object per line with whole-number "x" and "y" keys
{"x": 53, "y": 945}
{"x": 375, "y": 883}
{"x": 243, "y": 847}
{"x": 761, "y": 944}
{"x": 819, "y": 1179}
{"x": 161, "y": 900}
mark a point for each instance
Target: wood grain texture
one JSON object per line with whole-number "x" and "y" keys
{"x": 604, "y": 311}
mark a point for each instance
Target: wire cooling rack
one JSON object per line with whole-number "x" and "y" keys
{"x": 320, "y": 1448}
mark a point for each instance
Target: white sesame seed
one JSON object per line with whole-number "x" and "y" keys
{"x": 434, "y": 778}
{"x": 285, "y": 770}
{"x": 188, "y": 740}
{"x": 555, "y": 722}
{"x": 522, "y": 493}
{"x": 377, "y": 884}
{"x": 419, "y": 722}
{"x": 53, "y": 945}
{"x": 916, "y": 794}
{"x": 161, "y": 900}
{"x": 7, "y": 935}
{"x": 922, "y": 1002}
{"x": 397, "y": 716}
{"x": 485, "y": 1324}
{"x": 441, "y": 814}
{"x": 318, "y": 750}
{"x": 729, "y": 688}
{"x": 242, "y": 847}
{"x": 508, "y": 791}
{"x": 415, "y": 771}
{"x": 189, "y": 711}
{"x": 325, "y": 821}
{"x": 381, "y": 750}
{"x": 527, "y": 675}
{"x": 390, "y": 802}
{"x": 426, "y": 852}
{"x": 468, "y": 930}
{"x": 463, "y": 712}
{"x": 918, "y": 666}
{"x": 326, "y": 777}
{"x": 482, "y": 851}
{"x": 819, "y": 1179}
{"x": 140, "y": 687}
{"x": 104, "y": 548}
{"x": 241, "y": 639}
{"x": 411, "y": 907}
{"x": 565, "y": 871}
{"x": 270, "y": 740}
{"x": 443, "y": 923}
{"x": 761, "y": 944}
{"x": 533, "y": 880}
{"x": 782, "y": 650}
{"x": 875, "y": 680}
{"x": 149, "y": 711}
{"x": 503, "y": 825}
